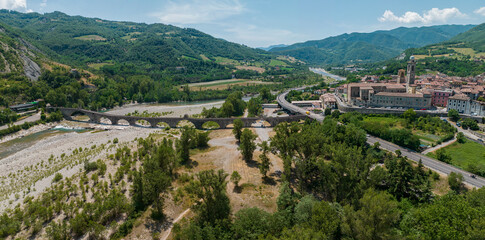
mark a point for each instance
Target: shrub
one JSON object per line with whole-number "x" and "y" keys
{"x": 57, "y": 178}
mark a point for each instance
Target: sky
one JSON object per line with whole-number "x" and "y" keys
{"x": 260, "y": 23}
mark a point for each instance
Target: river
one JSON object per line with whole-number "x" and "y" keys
{"x": 322, "y": 71}
{"x": 10, "y": 147}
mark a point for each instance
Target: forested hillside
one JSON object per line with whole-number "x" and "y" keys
{"x": 119, "y": 62}
{"x": 78, "y": 40}
{"x": 462, "y": 56}
{"x": 369, "y": 47}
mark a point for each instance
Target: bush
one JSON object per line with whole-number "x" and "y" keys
{"x": 57, "y": 178}
{"x": 90, "y": 166}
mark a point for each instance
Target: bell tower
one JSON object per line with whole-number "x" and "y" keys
{"x": 411, "y": 74}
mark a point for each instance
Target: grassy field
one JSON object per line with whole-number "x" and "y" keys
{"x": 398, "y": 123}
{"x": 223, "y": 84}
{"x": 464, "y": 154}
{"x": 392, "y": 122}
{"x": 91, "y": 38}
{"x": 98, "y": 66}
{"x": 222, "y": 60}
{"x": 275, "y": 63}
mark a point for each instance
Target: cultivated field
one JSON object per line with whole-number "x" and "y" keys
{"x": 91, "y": 38}
{"x": 224, "y": 84}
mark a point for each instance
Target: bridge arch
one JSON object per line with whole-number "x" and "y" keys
{"x": 123, "y": 122}
{"x": 81, "y": 116}
{"x": 106, "y": 120}
{"x": 185, "y": 122}
{"x": 211, "y": 125}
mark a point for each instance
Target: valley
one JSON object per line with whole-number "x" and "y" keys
{"x": 144, "y": 122}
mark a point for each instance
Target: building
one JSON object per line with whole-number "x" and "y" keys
{"x": 24, "y": 107}
{"x": 411, "y": 71}
{"x": 402, "y": 76}
{"x": 465, "y": 105}
{"x": 361, "y": 93}
{"x": 439, "y": 98}
{"x": 328, "y": 101}
{"x": 460, "y": 103}
{"x": 404, "y": 100}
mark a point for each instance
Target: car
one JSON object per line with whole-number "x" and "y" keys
{"x": 473, "y": 176}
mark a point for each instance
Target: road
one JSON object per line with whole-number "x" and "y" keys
{"x": 428, "y": 162}
{"x": 32, "y": 118}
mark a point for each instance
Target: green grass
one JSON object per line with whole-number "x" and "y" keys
{"x": 275, "y": 63}
{"x": 392, "y": 122}
{"x": 222, "y": 60}
{"x": 91, "y": 38}
{"x": 98, "y": 66}
{"x": 464, "y": 154}
{"x": 222, "y": 83}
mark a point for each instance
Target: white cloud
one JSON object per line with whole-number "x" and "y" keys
{"x": 435, "y": 15}
{"x": 480, "y": 11}
{"x": 199, "y": 11}
{"x": 13, "y": 4}
{"x": 43, "y": 3}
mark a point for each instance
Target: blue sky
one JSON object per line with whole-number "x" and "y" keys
{"x": 259, "y": 23}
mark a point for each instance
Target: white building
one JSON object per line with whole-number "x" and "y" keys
{"x": 464, "y": 105}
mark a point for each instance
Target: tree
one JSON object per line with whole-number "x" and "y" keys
{"x": 237, "y": 130}
{"x": 265, "y": 162}
{"x": 247, "y": 145}
{"x": 254, "y": 107}
{"x": 183, "y": 145}
{"x": 155, "y": 182}
{"x": 213, "y": 204}
{"x": 326, "y": 219}
{"x": 287, "y": 199}
{"x": 266, "y": 95}
{"x": 455, "y": 180}
{"x": 376, "y": 218}
{"x": 453, "y": 115}
{"x": 250, "y": 223}
{"x": 470, "y": 123}
{"x": 235, "y": 178}
{"x": 460, "y": 137}
{"x": 328, "y": 111}
{"x": 336, "y": 114}
{"x": 443, "y": 156}
{"x": 410, "y": 115}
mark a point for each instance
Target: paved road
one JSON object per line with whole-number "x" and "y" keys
{"x": 32, "y": 118}
{"x": 428, "y": 162}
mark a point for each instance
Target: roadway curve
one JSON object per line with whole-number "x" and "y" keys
{"x": 427, "y": 161}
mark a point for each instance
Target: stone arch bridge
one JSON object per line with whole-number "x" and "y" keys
{"x": 223, "y": 123}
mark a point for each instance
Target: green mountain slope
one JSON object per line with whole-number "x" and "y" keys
{"x": 474, "y": 38}
{"x": 369, "y": 47}
{"x": 78, "y": 41}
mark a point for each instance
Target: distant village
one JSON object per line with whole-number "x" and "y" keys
{"x": 406, "y": 90}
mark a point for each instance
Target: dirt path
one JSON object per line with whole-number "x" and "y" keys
{"x": 439, "y": 146}
{"x": 169, "y": 230}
